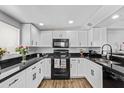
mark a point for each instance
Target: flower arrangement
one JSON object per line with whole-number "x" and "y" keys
{"x": 2, "y": 52}
{"x": 23, "y": 50}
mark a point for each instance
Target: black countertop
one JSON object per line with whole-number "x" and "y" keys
{"x": 115, "y": 66}
{"x": 21, "y": 66}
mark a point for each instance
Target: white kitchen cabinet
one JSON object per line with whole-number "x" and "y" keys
{"x": 32, "y": 79}
{"x": 76, "y": 67}
{"x": 35, "y": 36}
{"x": 47, "y": 68}
{"x": 73, "y": 38}
{"x": 73, "y": 67}
{"x": 97, "y": 37}
{"x": 16, "y": 81}
{"x": 83, "y": 38}
{"x": 93, "y": 73}
{"x": 46, "y": 38}
{"x": 30, "y": 35}
{"x": 59, "y": 34}
{"x": 80, "y": 70}
{"x": 41, "y": 71}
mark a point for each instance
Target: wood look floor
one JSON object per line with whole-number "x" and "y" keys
{"x": 71, "y": 83}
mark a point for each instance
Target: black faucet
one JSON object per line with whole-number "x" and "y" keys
{"x": 110, "y": 49}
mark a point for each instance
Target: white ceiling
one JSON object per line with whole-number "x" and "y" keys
{"x": 110, "y": 23}
{"x": 53, "y": 17}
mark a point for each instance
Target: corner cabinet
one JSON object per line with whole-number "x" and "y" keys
{"x": 97, "y": 37}
{"x": 93, "y": 73}
{"x": 30, "y": 35}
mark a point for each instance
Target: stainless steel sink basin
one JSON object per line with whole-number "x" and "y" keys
{"x": 104, "y": 61}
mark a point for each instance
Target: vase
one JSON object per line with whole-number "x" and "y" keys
{"x": 0, "y": 57}
{"x": 23, "y": 58}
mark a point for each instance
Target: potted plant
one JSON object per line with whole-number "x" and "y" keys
{"x": 2, "y": 52}
{"x": 23, "y": 50}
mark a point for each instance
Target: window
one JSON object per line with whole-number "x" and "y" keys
{"x": 9, "y": 36}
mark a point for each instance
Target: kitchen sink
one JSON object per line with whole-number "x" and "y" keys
{"x": 104, "y": 61}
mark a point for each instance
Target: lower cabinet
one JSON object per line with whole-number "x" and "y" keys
{"x": 40, "y": 71}
{"x": 32, "y": 76}
{"x": 76, "y": 67}
{"x": 17, "y": 81}
{"x": 47, "y": 68}
{"x": 93, "y": 73}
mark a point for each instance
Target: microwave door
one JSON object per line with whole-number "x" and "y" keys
{"x": 62, "y": 44}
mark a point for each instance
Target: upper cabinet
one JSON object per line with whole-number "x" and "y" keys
{"x": 46, "y": 38}
{"x": 73, "y": 38}
{"x": 30, "y": 35}
{"x": 97, "y": 37}
{"x": 59, "y": 34}
{"x": 83, "y": 38}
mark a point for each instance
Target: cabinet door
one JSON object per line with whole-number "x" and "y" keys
{"x": 73, "y": 38}
{"x": 59, "y": 34}
{"x": 83, "y": 38}
{"x": 93, "y": 73}
{"x": 34, "y": 36}
{"x": 40, "y": 72}
{"x": 47, "y": 68}
{"x": 80, "y": 67}
{"x": 17, "y": 81}
{"x": 73, "y": 67}
{"x": 97, "y": 37}
{"x": 96, "y": 75}
{"x": 31, "y": 76}
{"x": 46, "y": 38}
{"x": 26, "y": 35}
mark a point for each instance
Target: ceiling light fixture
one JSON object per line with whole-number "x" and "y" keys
{"x": 41, "y": 24}
{"x": 70, "y": 21}
{"x": 115, "y": 16}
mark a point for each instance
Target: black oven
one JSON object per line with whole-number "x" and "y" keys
{"x": 60, "y": 43}
{"x": 60, "y": 67}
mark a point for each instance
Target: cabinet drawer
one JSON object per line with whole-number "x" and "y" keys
{"x": 74, "y": 59}
{"x": 17, "y": 81}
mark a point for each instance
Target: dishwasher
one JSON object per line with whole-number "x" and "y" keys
{"x": 112, "y": 80}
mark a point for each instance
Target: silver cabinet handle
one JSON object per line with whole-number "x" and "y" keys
{"x": 34, "y": 76}
{"x": 36, "y": 43}
{"x": 40, "y": 70}
{"x": 92, "y": 72}
{"x": 31, "y": 42}
{"x": 13, "y": 82}
{"x": 33, "y": 68}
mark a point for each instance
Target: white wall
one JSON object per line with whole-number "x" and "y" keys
{"x": 115, "y": 38}
{"x": 9, "y": 20}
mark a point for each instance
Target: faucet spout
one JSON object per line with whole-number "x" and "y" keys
{"x": 109, "y": 47}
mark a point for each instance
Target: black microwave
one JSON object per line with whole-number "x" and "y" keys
{"x": 60, "y": 43}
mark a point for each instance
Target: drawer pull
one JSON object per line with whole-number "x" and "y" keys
{"x": 33, "y": 68}
{"x": 34, "y": 76}
{"x": 13, "y": 82}
{"x": 92, "y": 72}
